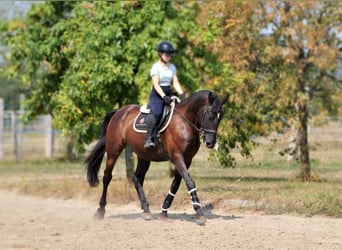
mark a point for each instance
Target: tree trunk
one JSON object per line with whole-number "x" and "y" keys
{"x": 129, "y": 159}
{"x": 70, "y": 154}
{"x": 305, "y": 170}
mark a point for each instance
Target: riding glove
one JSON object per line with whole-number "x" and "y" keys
{"x": 167, "y": 100}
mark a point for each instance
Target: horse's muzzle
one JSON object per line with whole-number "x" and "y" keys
{"x": 210, "y": 144}
{"x": 209, "y": 137}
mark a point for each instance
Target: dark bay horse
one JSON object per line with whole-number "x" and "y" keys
{"x": 200, "y": 113}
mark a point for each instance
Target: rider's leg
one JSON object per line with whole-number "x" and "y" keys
{"x": 151, "y": 124}
{"x": 156, "y": 104}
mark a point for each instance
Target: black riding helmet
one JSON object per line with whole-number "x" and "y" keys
{"x": 166, "y": 47}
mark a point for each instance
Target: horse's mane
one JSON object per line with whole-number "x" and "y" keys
{"x": 199, "y": 95}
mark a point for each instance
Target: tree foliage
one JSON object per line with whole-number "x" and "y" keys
{"x": 235, "y": 44}
{"x": 283, "y": 56}
{"x": 301, "y": 55}
{"x": 276, "y": 60}
{"x": 10, "y": 88}
{"x": 81, "y": 59}
{"x": 31, "y": 51}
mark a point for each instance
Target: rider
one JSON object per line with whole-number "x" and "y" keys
{"x": 163, "y": 74}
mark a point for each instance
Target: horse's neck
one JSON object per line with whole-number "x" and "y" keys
{"x": 192, "y": 108}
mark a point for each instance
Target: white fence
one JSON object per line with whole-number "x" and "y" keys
{"x": 38, "y": 140}
{"x": 22, "y": 141}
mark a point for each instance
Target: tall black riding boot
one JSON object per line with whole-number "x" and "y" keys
{"x": 151, "y": 123}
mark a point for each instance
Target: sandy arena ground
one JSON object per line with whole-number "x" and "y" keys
{"x": 36, "y": 223}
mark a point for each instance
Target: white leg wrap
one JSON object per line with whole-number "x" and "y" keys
{"x": 192, "y": 190}
{"x": 171, "y": 194}
{"x": 196, "y": 203}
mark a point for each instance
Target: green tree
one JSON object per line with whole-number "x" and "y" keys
{"x": 301, "y": 56}
{"x": 11, "y": 88}
{"x": 234, "y": 44}
{"x": 283, "y": 55}
{"x": 81, "y": 59}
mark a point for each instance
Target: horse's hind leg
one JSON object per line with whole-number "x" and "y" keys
{"x": 107, "y": 177}
{"x": 138, "y": 179}
{"x": 169, "y": 198}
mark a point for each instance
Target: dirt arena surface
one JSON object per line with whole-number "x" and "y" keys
{"x": 35, "y": 223}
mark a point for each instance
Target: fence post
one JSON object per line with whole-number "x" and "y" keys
{"x": 48, "y": 136}
{"x": 2, "y": 116}
{"x": 17, "y": 134}
{"x": 18, "y": 125}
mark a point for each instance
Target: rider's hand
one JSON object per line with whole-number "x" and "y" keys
{"x": 167, "y": 100}
{"x": 182, "y": 97}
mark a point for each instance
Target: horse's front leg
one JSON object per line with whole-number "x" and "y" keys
{"x": 190, "y": 184}
{"x": 138, "y": 180}
{"x": 170, "y": 196}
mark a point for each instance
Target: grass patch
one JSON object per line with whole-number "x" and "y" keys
{"x": 324, "y": 202}
{"x": 264, "y": 185}
{"x": 39, "y": 166}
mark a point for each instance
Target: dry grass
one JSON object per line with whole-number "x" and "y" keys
{"x": 266, "y": 184}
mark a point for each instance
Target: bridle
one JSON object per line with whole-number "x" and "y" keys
{"x": 201, "y": 129}
{"x": 205, "y": 130}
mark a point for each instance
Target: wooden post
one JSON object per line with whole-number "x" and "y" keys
{"x": 2, "y": 116}
{"x": 17, "y": 133}
{"x": 18, "y": 125}
{"x": 13, "y": 136}
{"x": 48, "y": 136}
{"x": 129, "y": 159}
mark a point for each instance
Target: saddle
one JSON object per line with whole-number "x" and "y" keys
{"x": 140, "y": 125}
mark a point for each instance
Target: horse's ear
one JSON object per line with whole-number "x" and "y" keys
{"x": 212, "y": 97}
{"x": 225, "y": 99}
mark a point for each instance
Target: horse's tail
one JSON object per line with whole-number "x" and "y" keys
{"x": 94, "y": 159}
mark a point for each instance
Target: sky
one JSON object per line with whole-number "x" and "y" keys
{"x": 10, "y": 9}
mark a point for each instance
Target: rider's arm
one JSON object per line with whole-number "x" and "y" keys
{"x": 156, "y": 86}
{"x": 177, "y": 85}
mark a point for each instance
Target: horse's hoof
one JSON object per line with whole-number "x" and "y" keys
{"x": 201, "y": 220}
{"x": 146, "y": 216}
{"x": 163, "y": 216}
{"x": 99, "y": 215}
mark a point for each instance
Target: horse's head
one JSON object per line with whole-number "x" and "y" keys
{"x": 211, "y": 118}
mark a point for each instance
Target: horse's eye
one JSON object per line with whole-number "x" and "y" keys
{"x": 212, "y": 117}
